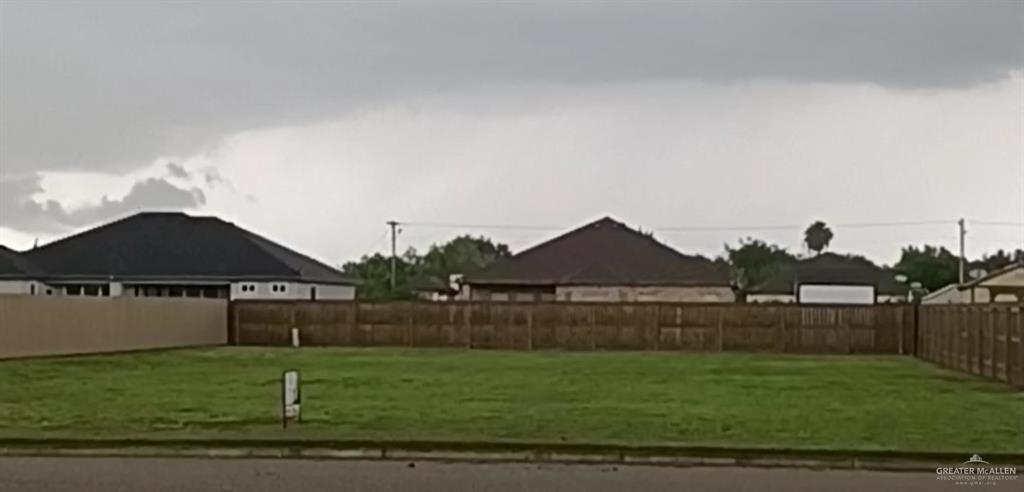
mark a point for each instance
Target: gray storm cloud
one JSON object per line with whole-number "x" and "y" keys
{"x": 19, "y": 211}
{"x": 117, "y": 84}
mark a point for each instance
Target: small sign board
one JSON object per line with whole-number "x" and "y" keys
{"x": 291, "y": 397}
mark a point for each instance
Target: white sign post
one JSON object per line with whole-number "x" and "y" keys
{"x": 291, "y": 398}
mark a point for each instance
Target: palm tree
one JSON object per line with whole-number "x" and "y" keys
{"x": 817, "y": 237}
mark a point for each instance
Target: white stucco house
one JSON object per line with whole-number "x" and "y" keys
{"x": 171, "y": 254}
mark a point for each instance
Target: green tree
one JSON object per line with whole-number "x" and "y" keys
{"x": 934, "y": 267}
{"x": 753, "y": 261}
{"x": 817, "y": 237}
{"x": 993, "y": 262}
{"x": 374, "y": 275}
{"x": 460, "y": 255}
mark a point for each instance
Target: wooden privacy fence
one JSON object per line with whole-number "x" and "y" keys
{"x": 985, "y": 339}
{"x": 32, "y": 326}
{"x": 578, "y": 326}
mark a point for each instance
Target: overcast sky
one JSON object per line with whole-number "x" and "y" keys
{"x": 314, "y": 123}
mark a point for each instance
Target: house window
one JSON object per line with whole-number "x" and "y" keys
{"x": 32, "y": 289}
{"x": 210, "y": 292}
{"x": 91, "y": 290}
{"x": 105, "y": 290}
{"x": 49, "y": 292}
{"x": 192, "y": 291}
{"x": 73, "y": 290}
{"x": 175, "y": 291}
{"x": 277, "y": 287}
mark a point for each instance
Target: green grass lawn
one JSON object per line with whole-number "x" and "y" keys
{"x": 806, "y": 402}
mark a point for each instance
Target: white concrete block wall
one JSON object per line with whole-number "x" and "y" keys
{"x": 291, "y": 290}
{"x": 27, "y": 287}
{"x": 15, "y": 287}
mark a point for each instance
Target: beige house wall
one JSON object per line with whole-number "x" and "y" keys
{"x": 981, "y": 296}
{"x": 40, "y": 325}
{"x": 784, "y": 298}
{"x": 1012, "y": 278}
{"x": 790, "y": 298}
{"x": 577, "y": 293}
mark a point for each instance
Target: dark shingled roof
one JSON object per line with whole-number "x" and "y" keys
{"x": 605, "y": 252}
{"x": 171, "y": 246}
{"x": 14, "y": 265}
{"x": 831, "y": 269}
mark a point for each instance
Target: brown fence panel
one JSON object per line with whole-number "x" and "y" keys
{"x": 57, "y": 325}
{"x": 591, "y": 326}
{"x": 986, "y": 340}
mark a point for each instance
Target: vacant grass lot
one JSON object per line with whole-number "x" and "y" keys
{"x": 839, "y": 402}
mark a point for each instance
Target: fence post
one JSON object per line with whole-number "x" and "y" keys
{"x": 915, "y": 314}
{"x": 467, "y": 321}
{"x": 233, "y": 329}
{"x": 529, "y": 327}
{"x": 292, "y": 325}
{"x": 902, "y": 329}
{"x": 508, "y": 328}
{"x": 353, "y": 323}
{"x": 955, "y": 348}
{"x": 593, "y": 328}
{"x": 782, "y": 329}
{"x": 1004, "y": 349}
{"x": 979, "y": 334}
{"x": 846, "y": 330}
{"x": 410, "y": 336}
{"x": 657, "y": 326}
{"x": 988, "y": 344}
{"x": 721, "y": 343}
{"x": 1020, "y": 346}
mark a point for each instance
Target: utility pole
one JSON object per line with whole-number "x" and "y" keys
{"x": 963, "y": 232}
{"x": 394, "y": 235}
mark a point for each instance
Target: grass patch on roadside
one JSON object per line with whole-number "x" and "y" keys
{"x": 746, "y": 400}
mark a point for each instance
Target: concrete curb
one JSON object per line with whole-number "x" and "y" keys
{"x": 623, "y": 458}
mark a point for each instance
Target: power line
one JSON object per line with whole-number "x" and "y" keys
{"x": 798, "y": 227}
{"x": 481, "y": 226}
{"x": 997, "y": 223}
{"x": 732, "y": 228}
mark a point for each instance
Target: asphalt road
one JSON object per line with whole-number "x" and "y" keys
{"x": 224, "y": 475}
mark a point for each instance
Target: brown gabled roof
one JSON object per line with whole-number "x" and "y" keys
{"x": 605, "y": 252}
{"x": 831, "y": 269}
